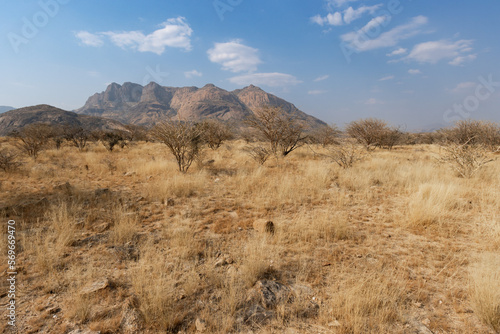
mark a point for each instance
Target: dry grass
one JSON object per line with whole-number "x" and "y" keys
{"x": 485, "y": 290}
{"x": 383, "y": 245}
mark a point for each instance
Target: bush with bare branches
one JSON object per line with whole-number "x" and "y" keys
{"x": 466, "y": 159}
{"x": 258, "y": 153}
{"x": 367, "y": 131}
{"x": 215, "y": 133}
{"x": 77, "y": 136}
{"x": 183, "y": 139}
{"x": 283, "y": 131}
{"x": 472, "y": 132}
{"x": 8, "y": 160}
{"x": 346, "y": 153}
{"x": 33, "y": 138}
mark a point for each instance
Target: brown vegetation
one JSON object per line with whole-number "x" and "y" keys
{"x": 122, "y": 242}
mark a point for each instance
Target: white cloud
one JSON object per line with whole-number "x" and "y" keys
{"x": 351, "y": 14}
{"x": 234, "y": 56}
{"x": 316, "y": 92}
{"x": 334, "y": 19}
{"x": 435, "y": 51}
{"x": 411, "y": 71}
{"x": 373, "y": 101}
{"x": 193, "y": 73}
{"x": 463, "y": 86}
{"x": 321, "y": 78}
{"x": 397, "y": 52}
{"x": 359, "y": 40}
{"x": 174, "y": 33}
{"x": 462, "y": 59}
{"x": 89, "y": 39}
{"x": 389, "y": 77}
{"x": 266, "y": 79}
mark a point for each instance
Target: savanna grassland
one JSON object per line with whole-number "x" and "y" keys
{"x": 122, "y": 242}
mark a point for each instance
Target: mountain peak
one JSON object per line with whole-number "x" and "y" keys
{"x": 135, "y": 104}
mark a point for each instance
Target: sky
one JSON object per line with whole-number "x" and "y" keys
{"x": 417, "y": 64}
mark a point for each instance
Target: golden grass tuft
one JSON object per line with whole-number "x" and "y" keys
{"x": 485, "y": 289}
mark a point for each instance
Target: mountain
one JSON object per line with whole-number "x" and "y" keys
{"x": 148, "y": 105}
{"x": 18, "y": 118}
{"x": 5, "y": 108}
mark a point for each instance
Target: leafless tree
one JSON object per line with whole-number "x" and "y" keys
{"x": 258, "y": 153}
{"x": 33, "y": 138}
{"x": 346, "y": 153}
{"x": 183, "y": 139}
{"x": 8, "y": 160}
{"x": 466, "y": 159}
{"x": 77, "y": 136}
{"x": 472, "y": 132}
{"x": 367, "y": 131}
{"x": 283, "y": 132}
{"x": 215, "y": 133}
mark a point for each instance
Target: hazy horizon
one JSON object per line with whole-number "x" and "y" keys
{"x": 413, "y": 64}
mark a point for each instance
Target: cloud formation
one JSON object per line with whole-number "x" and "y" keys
{"x": 174, "y": 33}
{"x": 416, "y": 71}
{"x": 432, "y": 52}
{"x": 345, "y": 17}
{"x": 193, "y": 73}
{"x": 235, "y": 56}
{"x": 360, "y": 40}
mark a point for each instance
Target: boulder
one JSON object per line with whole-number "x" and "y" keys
{"x": 264, "y": 226}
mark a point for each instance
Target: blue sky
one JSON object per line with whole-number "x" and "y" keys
{"x": 413, "y": 63}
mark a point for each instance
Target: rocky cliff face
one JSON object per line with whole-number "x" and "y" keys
{"x": 19, "y": 118}
{"x": 148, "y": 105}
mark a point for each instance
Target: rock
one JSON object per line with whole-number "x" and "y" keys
{"x": 263, "y": 226}
{"x": 269, "y": 293}
{"x": 96, "y": 286}
{"x": 201, "y": 325}
{"x": 129, "y": 174}
{"x": 53, "y": 310}
{"x": 335, "y": 323}
{"x": 257, "y": 315}
{"x": 132, "y": 321}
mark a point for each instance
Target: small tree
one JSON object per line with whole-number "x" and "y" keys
{"x": 183, "y": 139}
{"x": 258, "y": 153}
{"x": 282, "y": 131}
{"x": 77, "y": 136}
{"x": 111, "y": 138}
{"x": 472, "y": 132}
{"x": 8, "y": 160}
{"x": 390, "y": 137}
{"x": 367, "y": 131}
{"x": 215, "y": 133}
{"x": 346, "y": 153}
{"x": 33, "y": 138}
{"x": 465, "y": 159}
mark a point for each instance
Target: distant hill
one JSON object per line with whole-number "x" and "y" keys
{"x": 18, "y": 118}
{"x": 148, "y": 105}
{"x": 5, "y": 108}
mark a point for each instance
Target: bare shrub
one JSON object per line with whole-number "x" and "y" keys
{"x": 77, "y": 136}
{"x": 390, "y": 137}
{"x": 111, "y": 138}
{"x": 183, "y": 139}
{"x": 283, "y": 132}
{"x": 346, "y": 154}
{"x": 472, "y": 132}
{"x": 259, "y": 153}
{"x": 367, "y": 131}
{"x": 215, "y": 133}
{"x": 8, "y": 160}
{"x": 465, "y": 159}
{"x": 33, "y": 138}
